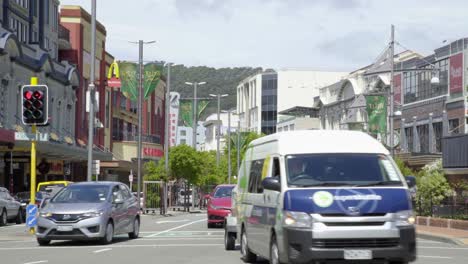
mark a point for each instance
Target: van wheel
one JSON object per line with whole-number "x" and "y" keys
{"x": 19, "y": 217}
{"x": 3, "y": 218}
{"x": 247, "y": 255}
{"x": 274, "y": 251}
{"x": 229, "y": 240}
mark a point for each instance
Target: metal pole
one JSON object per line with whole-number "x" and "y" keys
{"x": 194, "y": 125}
{"x": 140, "y": 123}
{"x": 392, "y": 103}
{"x": 238, "y": 147}
{"x": 34, "y": 81}
{"x": 229, "y": 147}
{"x": 166, "y": 132}
{"x": 91, "y": 91}
{"x": 218, "y": 128}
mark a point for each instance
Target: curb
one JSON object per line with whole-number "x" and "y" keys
{"x": 440, "y": 238}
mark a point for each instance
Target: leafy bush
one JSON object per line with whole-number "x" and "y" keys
{"x": 432, "y": 187}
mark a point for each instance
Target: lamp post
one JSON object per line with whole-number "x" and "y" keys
{"x": 194, "y": 112}
{"x": 229, "y": 146}
{"x": 194, "y": 125}
{"x": 218, "y": 134}
{"x": 91, "y": 91}
{"x": 140, "y": 107}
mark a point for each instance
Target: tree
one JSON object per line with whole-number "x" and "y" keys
{"x": 184, "y": 163}
{"x": 244, "y": 139}
{"x": 432, "y": 186}
{"x": 405, "y": 170}
{"x": 155, "y": 172}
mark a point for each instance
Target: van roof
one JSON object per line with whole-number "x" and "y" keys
{"x": 322, "y": 141}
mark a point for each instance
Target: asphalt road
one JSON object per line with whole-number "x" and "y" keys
{"x": 178, "y": 239}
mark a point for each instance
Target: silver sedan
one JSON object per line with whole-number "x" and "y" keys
{"x": 89, "y": 211}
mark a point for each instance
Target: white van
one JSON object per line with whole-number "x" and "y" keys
{"x": 315, "y": 196}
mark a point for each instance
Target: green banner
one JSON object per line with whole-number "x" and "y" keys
{"x": 376, "y": 106}
{"x": 186, "y": 108}
{"x": 129, "y": 78}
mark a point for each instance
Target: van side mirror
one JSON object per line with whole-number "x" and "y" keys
{"x": 272, "y": 184}
{"x": 411, "y": 181}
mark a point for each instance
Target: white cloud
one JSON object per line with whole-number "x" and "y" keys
{"x": 323, "y": 34}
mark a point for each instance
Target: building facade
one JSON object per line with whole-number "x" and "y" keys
{"x": 29, "y": 47}
{"x": 262, "y": 96}
{"x": 211, "y": 125}
{"x": 185, "y": 136}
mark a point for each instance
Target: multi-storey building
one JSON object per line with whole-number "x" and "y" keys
{"x": 262, "y": 96}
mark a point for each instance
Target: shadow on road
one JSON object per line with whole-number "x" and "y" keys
{"x": 86, "y": 243}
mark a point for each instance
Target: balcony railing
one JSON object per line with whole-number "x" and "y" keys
{"x": 455, "y": 151}
{"x": 131, "y": 137}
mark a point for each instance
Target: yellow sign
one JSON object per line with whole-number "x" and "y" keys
{"x": 113, "y": 71}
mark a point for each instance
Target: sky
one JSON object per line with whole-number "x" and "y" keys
{"x": 340, "y": 35}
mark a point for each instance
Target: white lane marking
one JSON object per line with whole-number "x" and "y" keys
{"x": 177, "y": 227}
{"x": 172, "y": 221}
{"x": 181, "y": 238}
{"x": 451, "y": 248}
{"x": 101, "y": 250}
{"x": 436, "y": 257}
{"x": 196, "y": 231}
{"x": 12, "y": 226}
{"x": 37, "y": 262}
{"x": 115, "y": 246}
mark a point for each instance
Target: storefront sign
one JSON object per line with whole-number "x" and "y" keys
{"x": 456, "y": 74}
{"x": 113, "y": 76}
{"x": 152, "y": 152}
{"x": 377, "y": 114}
{"x": 56, "y": 167}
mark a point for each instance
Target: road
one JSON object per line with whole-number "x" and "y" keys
{"x": 177, "y": 239}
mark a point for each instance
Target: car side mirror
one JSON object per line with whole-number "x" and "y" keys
{"x": 272, "y": 184}
{"x": 411, "y": 181}
{"x": 44, "y": 202}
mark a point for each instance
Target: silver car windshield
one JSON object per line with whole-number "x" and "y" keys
{"x": 82, "y": 194}
{"x": 341, "y": 169}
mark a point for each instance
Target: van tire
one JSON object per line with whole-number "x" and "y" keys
{"x": 247, "y": 255}
{"x": 274, "y": 251}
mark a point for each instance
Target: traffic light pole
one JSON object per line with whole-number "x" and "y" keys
{"x": 34, "y": 81}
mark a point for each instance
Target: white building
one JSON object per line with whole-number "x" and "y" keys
{"x": 211, "y": 125}
{"x": 299, "y": 118}
{"x": 185, "y": 135}
{"x": 261, "y": 97}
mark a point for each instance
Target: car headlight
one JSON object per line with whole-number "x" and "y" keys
{"x": 215, "y": 207}
{"x": 45, "y": 214}
{"x": 404, "y": 218}
{"x": 93, "y": 214}
{"x": 296, "y": 219}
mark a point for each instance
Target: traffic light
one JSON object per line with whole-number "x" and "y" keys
{"x": 35, "y": 106}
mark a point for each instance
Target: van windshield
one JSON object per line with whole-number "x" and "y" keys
{"x": 341, "y": 169}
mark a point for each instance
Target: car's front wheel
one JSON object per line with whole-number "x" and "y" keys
{"x": 136, "y": 229}
{"x": 43, "y": 242}
{"x": 109, "y": 234}
{"x": 3, "y": 218}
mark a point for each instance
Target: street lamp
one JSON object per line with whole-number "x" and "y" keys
{"x": 194, "y": 111}
{"x": 229, "y": 145}
{"x": 218, "y": 134}
{"x": 194, "y": 125}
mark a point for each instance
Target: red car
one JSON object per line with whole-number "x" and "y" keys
{"x": 219, "y": 205}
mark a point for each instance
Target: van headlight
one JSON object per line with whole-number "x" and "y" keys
{"x": 93, "y": 214}
{"x": 404, "y": 218}
{"x": 297, "y": 219}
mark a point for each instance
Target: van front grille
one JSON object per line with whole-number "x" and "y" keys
{"x": 354, "y": 223}
{"x": 356, "y": 243}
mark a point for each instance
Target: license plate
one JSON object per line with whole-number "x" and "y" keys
{"x": 357, "y": 254}
{"x": 64, "y": 228}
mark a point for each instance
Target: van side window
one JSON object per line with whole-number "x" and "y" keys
{"x": 255, "y": 176}
{"x": 275, "y": 169}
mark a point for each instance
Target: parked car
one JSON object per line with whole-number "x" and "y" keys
{"x": 89, "y": 211}
{"x": 219, "y": 205}
{"x": 10, "y": 209}
{"x": 23, "y": 198}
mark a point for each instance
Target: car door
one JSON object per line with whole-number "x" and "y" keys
{"x": 257, "y": 210}
{"x": 270, "y": 199}
{"x": 3, "y": 201}
{"x": 12, "y": 206}
{"x": 118, "y": 210}
{"x": 128, "y": 201}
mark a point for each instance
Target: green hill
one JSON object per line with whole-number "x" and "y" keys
{"x": 223, "y": 80}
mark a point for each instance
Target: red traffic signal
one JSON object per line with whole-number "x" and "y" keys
{"x": 35, "y": 107}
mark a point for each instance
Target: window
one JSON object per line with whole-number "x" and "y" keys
{"x": 340, "y": 169}
{"x": 183, "y": 133}
{"x": 454, "y": 126}
{"x": 125, "y": 192}
{"x": 183, "y": 141}
{"x": 123, "y": 102}
{"x": 107, "y": 114}
{"x": 255, "y": 176}
{"x": 423, "y": 133}
{"x": 275, "y": 169}
{"x": 409, "y": 138}
{"x": 291, "y": 127}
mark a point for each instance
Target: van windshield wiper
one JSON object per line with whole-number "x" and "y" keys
{"x": 324, "y": 184}
{"x": 381, "y": 183}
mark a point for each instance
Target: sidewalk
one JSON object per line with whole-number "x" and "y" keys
{"x": 454, "y": 236}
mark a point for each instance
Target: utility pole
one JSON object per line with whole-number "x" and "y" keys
{"x": 392, "y": 91}
{"x": 167, "y": 132}
{"x": 238, "y": 147}
{"x": 140, "y": 107}
{"x": 229, "y": 147}
{"x": 91, "y": 89}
